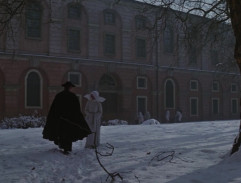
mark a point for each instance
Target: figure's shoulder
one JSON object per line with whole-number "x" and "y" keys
{"x": 58, "y": 95}
{"x": 64, "y": 94}
{"x": 73, "y": 95}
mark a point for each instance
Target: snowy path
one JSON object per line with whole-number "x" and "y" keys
{"x": 199, "y": 148}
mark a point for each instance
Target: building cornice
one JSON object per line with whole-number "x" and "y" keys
{"x": 66, "y": 59}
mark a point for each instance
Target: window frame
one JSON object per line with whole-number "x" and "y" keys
{"x": 68, "y": 40}
{"x": 41, "y": 90}
{"x": 174, "y": 94}
{"x": 104, "y": 83}
{"x": 106, "y": 47}
{"x": 237, "y": 105}
{"x": 190, "y": 85}
{"x": 137, "y": 82}
{"x": 218, "y": 86}
{"x": 218, "y": 106}
{"x": 39, "y": 6}
{"x": 80, "y": 78}
{"x": 190, "y": 104}
{"x": 75, "y": 5}
{"x": 168, "y": 40}
{"x": 141, "y": 49}
{"x": 192, "y": 56}
{"x": 106, "y": 19}
{"x": 236, "y": 88}
{"x": 214, "y": 57}
{"x": 137, "y": 103}
{"x": 140, "y": 22}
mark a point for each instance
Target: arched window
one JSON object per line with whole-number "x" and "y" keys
{"x": 33, "y": 20}
{"x": 169, "y": 94}
{"x": 107, "y": 83}
{"x": 33, "y": 89}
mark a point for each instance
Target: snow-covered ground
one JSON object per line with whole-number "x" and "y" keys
{"x": 142, "y": 154}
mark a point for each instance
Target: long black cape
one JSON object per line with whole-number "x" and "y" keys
{"x": 65, "y": 119}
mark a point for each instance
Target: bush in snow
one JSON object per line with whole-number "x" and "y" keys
{"x": 151, "y": 122}
{"x": 117, "y": 122}
{"x": 23, "y": 122}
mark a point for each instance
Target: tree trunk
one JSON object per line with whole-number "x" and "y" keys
{"x": 235, "y": 15}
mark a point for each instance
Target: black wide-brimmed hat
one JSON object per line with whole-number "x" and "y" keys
{"x": 68, "y": 84}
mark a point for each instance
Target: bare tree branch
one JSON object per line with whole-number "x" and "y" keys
{"x": 113, "y": 175}
{"x": 8, "y": 11}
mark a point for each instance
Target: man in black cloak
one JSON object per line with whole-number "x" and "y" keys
{"x": 65, "y": 122}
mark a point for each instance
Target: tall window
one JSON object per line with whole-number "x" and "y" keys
{"x": 214, "y": 57}
{"x": 33, "y": 20}
{"x": 234, "y": 88}
{"x": 215, "y": 105}
{"x": 109, "y": 17}
{"x": 140, "y": 47}
{"x": 168, "y": 40}
{"x": 234, "y": 105}
{"x": 141, "y": 104}
{"x": 193, "y": 35}
{"x": 169, "y": 94}
{"x": 193, "y": 106}
{"x": 215, "y": 86}
{"x": 109, "y": 44}
{"x": 192, "y": 55}
{"x": 33, "y": 89}
{"x": 192, "y": 42}
{"x": 73, "y": 40}
{"x": 74, "y": 11}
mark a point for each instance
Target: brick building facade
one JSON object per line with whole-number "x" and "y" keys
{"x": 101, "y": 46}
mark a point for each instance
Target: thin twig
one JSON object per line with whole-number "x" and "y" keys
{"x": 161, "y": 156}
{"x": 113, "y": 174}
